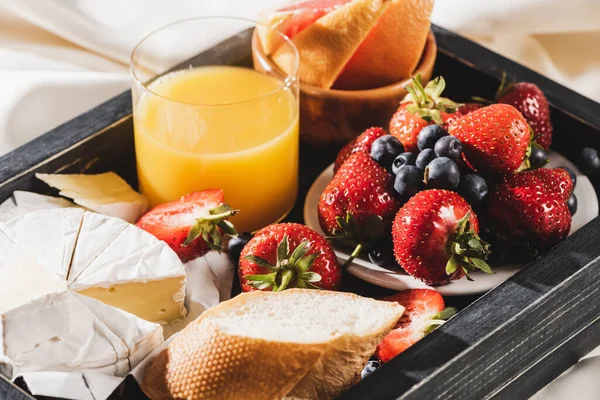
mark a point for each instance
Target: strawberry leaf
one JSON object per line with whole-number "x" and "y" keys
{"x": 310, "y": 277}
{"x": 452, "y": 264}
{"x": 227, "y": 228}
{"x": 282, "y": 250}
{"x": 299, "y": 252}
{"x": 261, "y": 281}
{"x": 193, "y": 234}
{"x": 481, "y": 265}
{"x": 306, "y": 262}
{"x": 260, "y": 261}
{"x": 286, "y": 277}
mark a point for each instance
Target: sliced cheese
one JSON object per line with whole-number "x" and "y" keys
{"x": 67, "y": 336}
{"x": 105, "y": 258}
{"x": 50, "y": 234}
{"x": 47, "y": 257}
{"x": 22, "y": 203}
{"x": 105, "y": 193}
{"x": 90, "y": 244}
{"x": 25, "y": 271}
{"x": 139, "y": 336}
{"x": 139, "y": 274}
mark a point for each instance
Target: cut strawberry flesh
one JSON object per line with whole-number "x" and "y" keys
{"x": 420, "y": 305}
{"x": 307, "y": 13}
{"x": 184, "y": 212}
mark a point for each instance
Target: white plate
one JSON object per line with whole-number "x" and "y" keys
{"x": 398, "y": 280}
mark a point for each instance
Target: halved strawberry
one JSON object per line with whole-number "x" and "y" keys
{"x": 424, "y": 311}
{"x": 192, "y": 225}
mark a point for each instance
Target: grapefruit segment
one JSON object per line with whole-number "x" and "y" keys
{"x": 392, "y": 49}
{"x": 326, "y": 45}
{"x": 291, "y": 20}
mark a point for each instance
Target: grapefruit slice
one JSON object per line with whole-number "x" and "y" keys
{"x": 291, "y": 20}
{"x": 392, "y": 49}
{"x": 326, "y": 45}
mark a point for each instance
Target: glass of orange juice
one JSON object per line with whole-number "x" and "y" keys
{"x": 214, "y": 122}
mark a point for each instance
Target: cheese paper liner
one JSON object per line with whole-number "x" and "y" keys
{"x": 209, "y": 281}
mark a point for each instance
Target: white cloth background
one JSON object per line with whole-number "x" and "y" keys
{"x": 58, "y": 58}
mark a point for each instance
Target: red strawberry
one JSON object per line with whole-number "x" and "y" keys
{"x": 496, "y": 139}
{"x": 424, "y": 310}
{"x": 531, "y": 102}
{"x": 192, "y": 225}
{"x": 531, "y": 208}
{"x": 359, "y": 203}
{"x": 362, "y": 143}
{"x": 436, "y": 237}
{"x": 463, "y": 110}
{"x": 421, "y": 107}
{"x": 282, "y": 256}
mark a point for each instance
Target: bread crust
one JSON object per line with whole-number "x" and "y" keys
{"x": 205, "y": 361}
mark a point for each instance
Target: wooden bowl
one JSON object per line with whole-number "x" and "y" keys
{"x": 331, "y": 116}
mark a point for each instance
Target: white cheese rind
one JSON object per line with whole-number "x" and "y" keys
{"x": 39, "y": 252}
{"x": 22, "y": 203}
{"x": 49, "y": 234}
{"x": 67, "y": 337}
{"x": 140, "y": 336}
{"x": 96, "y": 234}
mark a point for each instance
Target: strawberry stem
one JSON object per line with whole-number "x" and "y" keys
{"x": 354, "y": 254}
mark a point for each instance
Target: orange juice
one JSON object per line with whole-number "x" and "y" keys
{"x": 220, "y": 127}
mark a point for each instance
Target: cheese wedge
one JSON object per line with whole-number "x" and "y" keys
{"x": 22, "y": 203}
{"x": 104, "y": 258}
{"x": 46, "y": 327}
{"x": 106, "y": 193}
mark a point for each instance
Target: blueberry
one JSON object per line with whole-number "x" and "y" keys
{"x": 572, "y": 174}
{"x": 429, "y": 136}
{"x": 235, "y": 246}
{"x": 371, "y": 367}
{"x": 442, "y": 173}
{"x": 383, "y": 253}
{"x": 538, "y": 157}
{"x": 403, "y": 159}
{"x": 424, "y": 158}
{"x": 590, "y": 162}
{"x": 448, "y": 146}
{"x": 385, "y": 149}
{"x": 473, "y": 188}
{"x": 409, "y": 181}
{"x": 572, "y": 204}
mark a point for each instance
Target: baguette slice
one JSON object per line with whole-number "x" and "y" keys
{"x": 298, "y": 343}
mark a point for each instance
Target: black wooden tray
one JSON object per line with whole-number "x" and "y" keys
{"x": 508, "y": 343}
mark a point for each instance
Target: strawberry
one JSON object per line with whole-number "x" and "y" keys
{"x": 463, "y": 110}
{"x": 192, "y": 225}
{"x": 436, "y": 237}
{"x": 531, "y": 208}
{"x": 533, "y": 104}
{"x": 424, "y": 310}
{"x": 287, "y": 255}
{"x": 496, "y": 139}
{"x": 362, "y": 143}
{"x": 421, "y": 107}
{"x": 359, "y": 203}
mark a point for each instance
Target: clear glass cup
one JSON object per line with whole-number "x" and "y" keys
{"x": 214, "y": 122}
